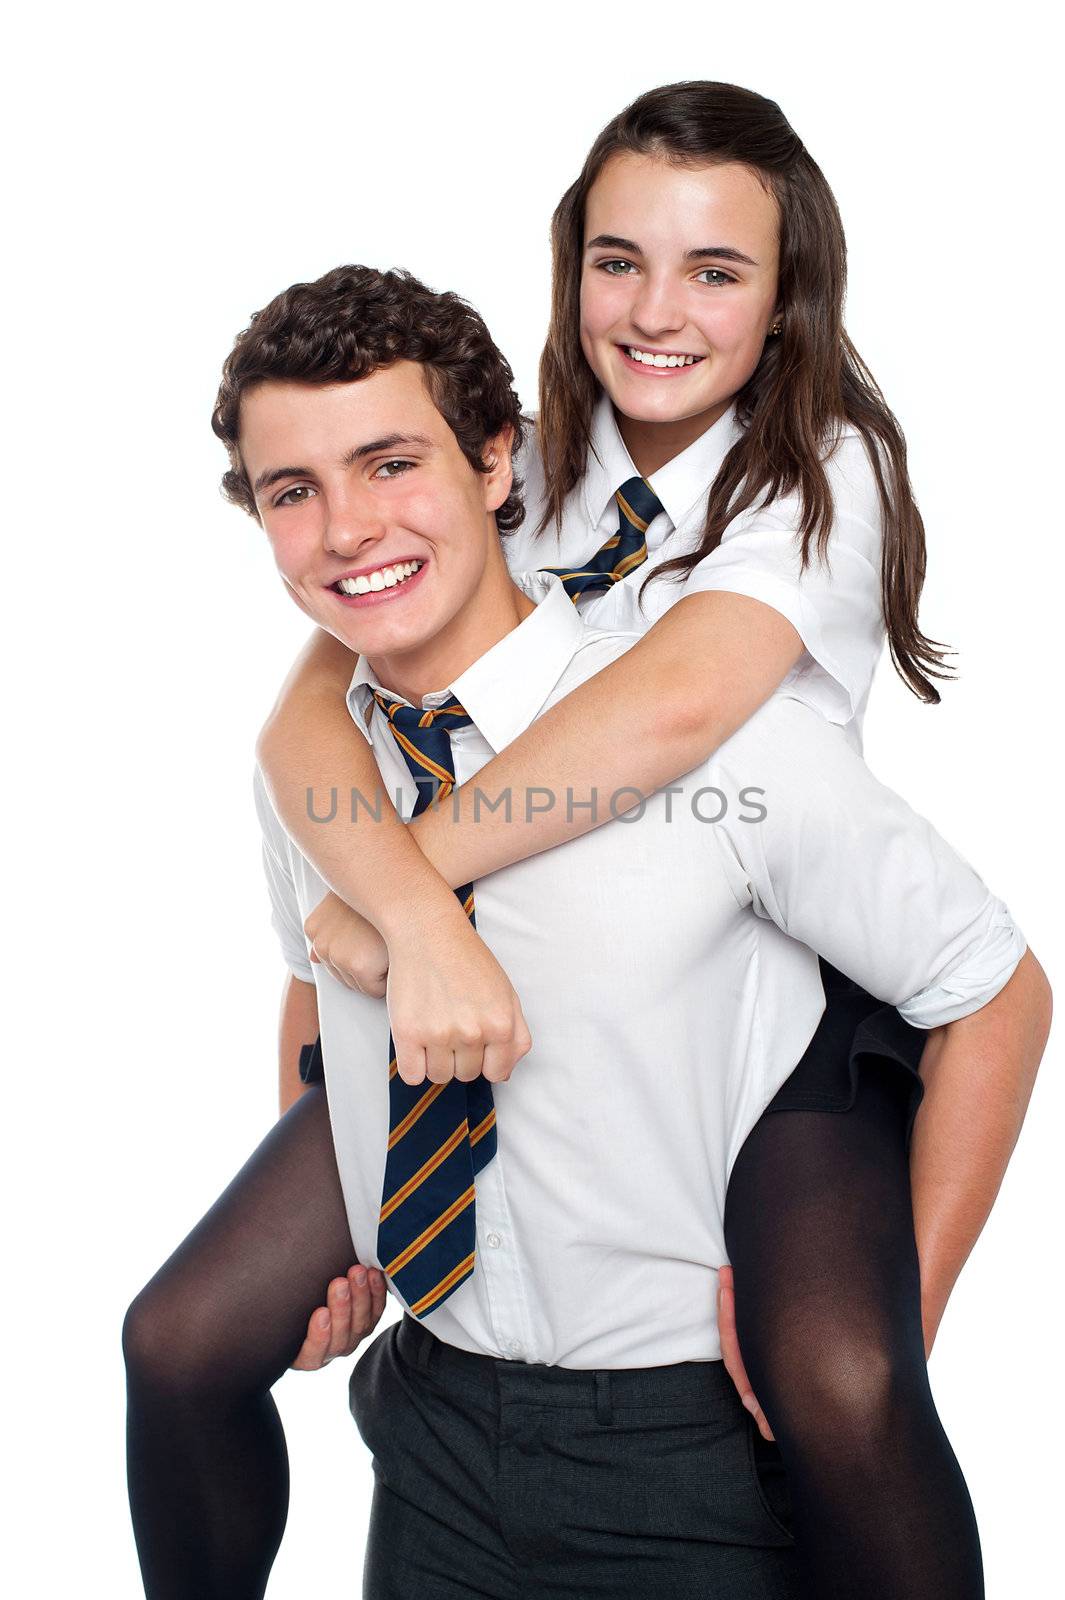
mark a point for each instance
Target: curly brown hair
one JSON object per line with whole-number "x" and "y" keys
{"x": 353, "y": 321}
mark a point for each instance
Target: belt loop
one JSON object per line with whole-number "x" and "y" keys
{"x": 604, "y": 1411}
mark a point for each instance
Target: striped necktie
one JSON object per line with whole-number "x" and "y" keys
{"x": 439, "y": 1134}
{"x": 638, "y": 505}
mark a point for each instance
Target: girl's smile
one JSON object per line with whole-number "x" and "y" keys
{"x": 659, "y": 360}
{"x": 658, "y": 363}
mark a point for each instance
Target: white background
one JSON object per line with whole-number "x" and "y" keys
{"x": 171, "y": 172}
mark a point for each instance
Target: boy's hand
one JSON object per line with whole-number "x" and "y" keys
{"x": 347, "y": 946}
{"x": 730, "y": 1349}
{"x": 353, "y": 1310}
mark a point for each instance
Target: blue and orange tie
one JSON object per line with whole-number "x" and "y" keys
{"x": 638, "y": 506}
{"x": 440, "y": 1135}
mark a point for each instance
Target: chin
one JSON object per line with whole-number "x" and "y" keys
{"x": 665, "y": 408}
{"x": 389, "y": 641}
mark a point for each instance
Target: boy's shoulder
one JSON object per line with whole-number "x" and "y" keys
{"x": 595, "y": 649}
{"x": 810, "y": 760}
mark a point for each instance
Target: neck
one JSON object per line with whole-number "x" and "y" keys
{"x": 488, "y": 615}
{"x": 652, "y": 444}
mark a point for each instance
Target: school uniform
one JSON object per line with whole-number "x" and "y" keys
{"x": 561, "y": 1423}
{"x": 835, "y": 608}
{"x": 834, "y": 605}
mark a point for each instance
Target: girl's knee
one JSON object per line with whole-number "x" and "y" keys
{"x": 852, "y": 1391}
{"x": 143, "y": 1334}
{"x": 170, "y": 1344}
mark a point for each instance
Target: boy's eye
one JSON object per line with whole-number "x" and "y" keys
{"x": 617, "y": 269}
{"x": 294, "y": 496}
{"x": 392, "y": 469}
{"x": 714, "y": 276}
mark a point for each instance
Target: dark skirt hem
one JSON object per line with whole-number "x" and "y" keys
{"x": 856, "y": 1033}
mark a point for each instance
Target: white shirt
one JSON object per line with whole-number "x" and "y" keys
{"x": 667, "y": 1003}
{"x": 834, "y": 608}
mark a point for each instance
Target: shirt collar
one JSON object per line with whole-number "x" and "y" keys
{"x": 680, "y": 484}
{"x": 505, "y": 688}
{"x": 609, "y": 464}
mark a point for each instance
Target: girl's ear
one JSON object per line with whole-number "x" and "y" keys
{"x": 500, "y": 474}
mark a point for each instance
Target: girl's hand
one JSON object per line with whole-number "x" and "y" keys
{"x": 353, "y": 1310}
{"x": 453, "y": 1011}
{"x": 347, "y": 946}
{"x": 730, "y": 1349}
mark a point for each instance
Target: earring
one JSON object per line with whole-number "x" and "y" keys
{"x": 778, "y": 327}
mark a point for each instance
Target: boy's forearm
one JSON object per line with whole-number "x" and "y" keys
{"x": 978, "y": 1075}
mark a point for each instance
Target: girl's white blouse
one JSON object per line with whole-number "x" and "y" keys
{"x": 834, "y": 605}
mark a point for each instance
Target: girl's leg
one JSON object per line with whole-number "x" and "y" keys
{"x": 819, "y": 1229}
{"x": 205, "y": 1340}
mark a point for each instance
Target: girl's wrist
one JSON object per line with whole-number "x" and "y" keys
{"x": 431, "y": 922}
{"x": 421, "y": 906}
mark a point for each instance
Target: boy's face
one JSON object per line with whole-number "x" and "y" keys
{"x": 365, "y": 483}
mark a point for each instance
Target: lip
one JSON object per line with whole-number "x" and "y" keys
{"x": 657, "y": 372}
{"x": 377, "y": 597}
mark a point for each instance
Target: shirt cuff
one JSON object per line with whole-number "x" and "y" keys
{"x": 973, "y": 984}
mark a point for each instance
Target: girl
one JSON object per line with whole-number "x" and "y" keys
{"x": 696, "y": 343}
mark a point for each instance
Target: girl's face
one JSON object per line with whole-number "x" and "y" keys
{"x": 678, "y": 292}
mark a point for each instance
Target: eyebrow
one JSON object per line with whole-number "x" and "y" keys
{"x": 390, "y": 441}
{"x": 721, "y": 252}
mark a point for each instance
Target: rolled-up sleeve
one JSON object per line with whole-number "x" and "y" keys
{"x": 284, "y": 904}
{"x": 977, "y": 980}
{"x": 834, "y": 604}
{"x": 843, "y": 864}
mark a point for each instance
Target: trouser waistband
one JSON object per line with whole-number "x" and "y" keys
{"x": 702, "y": 1388}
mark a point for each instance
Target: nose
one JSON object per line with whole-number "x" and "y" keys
{"x": 658, "y": 308}
{"x": 353, "y": 523}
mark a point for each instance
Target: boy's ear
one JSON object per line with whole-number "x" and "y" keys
{"x": 500, "y": 474}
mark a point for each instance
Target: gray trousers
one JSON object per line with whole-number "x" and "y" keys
{"x": 503, "y": 1480}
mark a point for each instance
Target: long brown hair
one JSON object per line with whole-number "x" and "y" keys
{"x": 809, "y": 382}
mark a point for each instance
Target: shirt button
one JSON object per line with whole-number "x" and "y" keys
{"x": 493, "y": 1240}
{"x": 514, "y": 1346}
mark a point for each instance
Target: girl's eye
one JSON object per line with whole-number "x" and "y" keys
{"x": 617, "y": 269}
{"x": 714, "y": 277}
{"x": 392, "y": 469}
{"x": 294, "y": 496}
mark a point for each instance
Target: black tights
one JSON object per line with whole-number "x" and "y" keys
{"x": 820, "y": 1232}
{"x": 204, "y": 1342}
